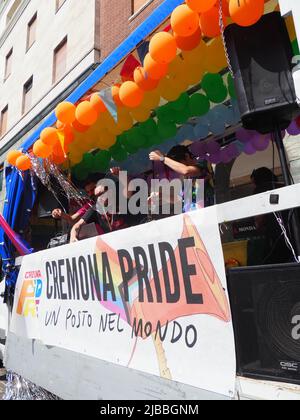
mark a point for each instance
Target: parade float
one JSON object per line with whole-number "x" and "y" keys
{"x": 153, "y": 307}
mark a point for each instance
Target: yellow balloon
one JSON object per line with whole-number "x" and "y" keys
{"x": 115, "y": 129}
{"x": 194, "y": 76}
{"x": 141, "y": 114}
{"x": 151, "y": 99}
{"x": 176, "y": 66}
{"x": 215, "y": 60}
{"x": 125, "y": 121}
{"x": 106, "y": 140}
{"x": 196, "y": 56}
{"x": 75, "y": 159}
{"x": 168, "y": 90}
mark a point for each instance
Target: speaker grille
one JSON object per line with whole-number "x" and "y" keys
{"x": 261, "y": 57}
{"x": 264, "y": 302}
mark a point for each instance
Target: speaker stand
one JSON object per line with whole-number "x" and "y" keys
{"x": 295, "y": 226}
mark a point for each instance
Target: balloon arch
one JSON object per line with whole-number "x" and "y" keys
{"x": 155, "y": 106}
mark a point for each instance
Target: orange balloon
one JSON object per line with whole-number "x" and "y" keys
{"x": 184, "y": 21}
{"x": 79, "y": 127}
{"x": 97, "y": 103}
{"x": 58, "y": 159}
{"x": 12, "y": 157}
{"x": 143, "y": 80}
{"x": 163, "y": 48}
{"x": 188, "y": 43}
{"x": 131, "y": 95}
{"x": 42, "y": 150}
{"x": 49, "y": 136}
{"x": 115, "y": 90}
{"x": 23, "y": 163}
{"x": 210, "y": 23}
{"x": 201, "y": 6}
{"x": 65, "y": 112}
{"x": 60, "y": 150}
{"x": 153, "y": 69}
{"x": 246, "y": 12}
{"x": 60, "y": 125}
{"x": 86, "y": 114}
{"x": 68, "y": 134}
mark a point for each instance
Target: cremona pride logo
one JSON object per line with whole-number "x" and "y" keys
{"x": 30, "y": 294}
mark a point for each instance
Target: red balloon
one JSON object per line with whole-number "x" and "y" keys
{"x": 210, "y": 23}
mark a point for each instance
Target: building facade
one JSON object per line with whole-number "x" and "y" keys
{"x": 47, "y": 48}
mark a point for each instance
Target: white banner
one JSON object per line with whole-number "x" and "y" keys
{"x": 151, "y": 298}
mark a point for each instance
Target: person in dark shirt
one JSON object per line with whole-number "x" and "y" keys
{"x": 181, "y": 160}
{"x": 107, "y": 219}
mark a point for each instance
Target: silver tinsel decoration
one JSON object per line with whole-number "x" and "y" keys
{"x": 19, "y": 389}
{"x": 44, "y": 170}
{"x": 68, "y": 188}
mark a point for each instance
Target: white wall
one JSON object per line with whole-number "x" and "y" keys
{"x": 76, "y": 19}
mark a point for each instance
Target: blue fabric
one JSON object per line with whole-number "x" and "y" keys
{"x": 149, "y": 25}
{"x": 20, "y": 198}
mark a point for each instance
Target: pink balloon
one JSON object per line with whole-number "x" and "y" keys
{"x": 14, "y": 238}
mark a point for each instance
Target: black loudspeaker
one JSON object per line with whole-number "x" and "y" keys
{"x": 261, "y": 58}
{"x": 265, "y": 304}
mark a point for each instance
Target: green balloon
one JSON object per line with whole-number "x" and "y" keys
{"x": 101, "y": 161}
{"x": 154, "y": 140}
{"x": 80, "y": 173}
{"x": 199, "y": 105}
{"x": 211, "y": 81}
{"x": 120, "y": 155}
{"x": 165, "y": 113}
{"x": 149, "y": 127}
{"x": 295, "y": 46}
{"x": 167, "y": 130}
{"x": 182, "y": 116}
{"x": 231, "y": 87}
{"x": 181, "y": 103}
{"x": 219, "y": 95}
{"x": 130, "y": 148}
{"x": 214, "y": 87}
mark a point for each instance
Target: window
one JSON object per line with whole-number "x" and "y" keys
{"x": 59, "y": 3}
{"x": 60, "y": 60}
{"x": 8, "y": 64}
{"x": 27, "y": 96}
{"x": 31, "y": 32}
{"x": 136, "y": 5}
{"x": 3, "y": 126}
{"x": 12, "y": 11}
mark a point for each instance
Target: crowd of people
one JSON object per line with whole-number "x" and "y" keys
{"x": 179, "y": 160}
